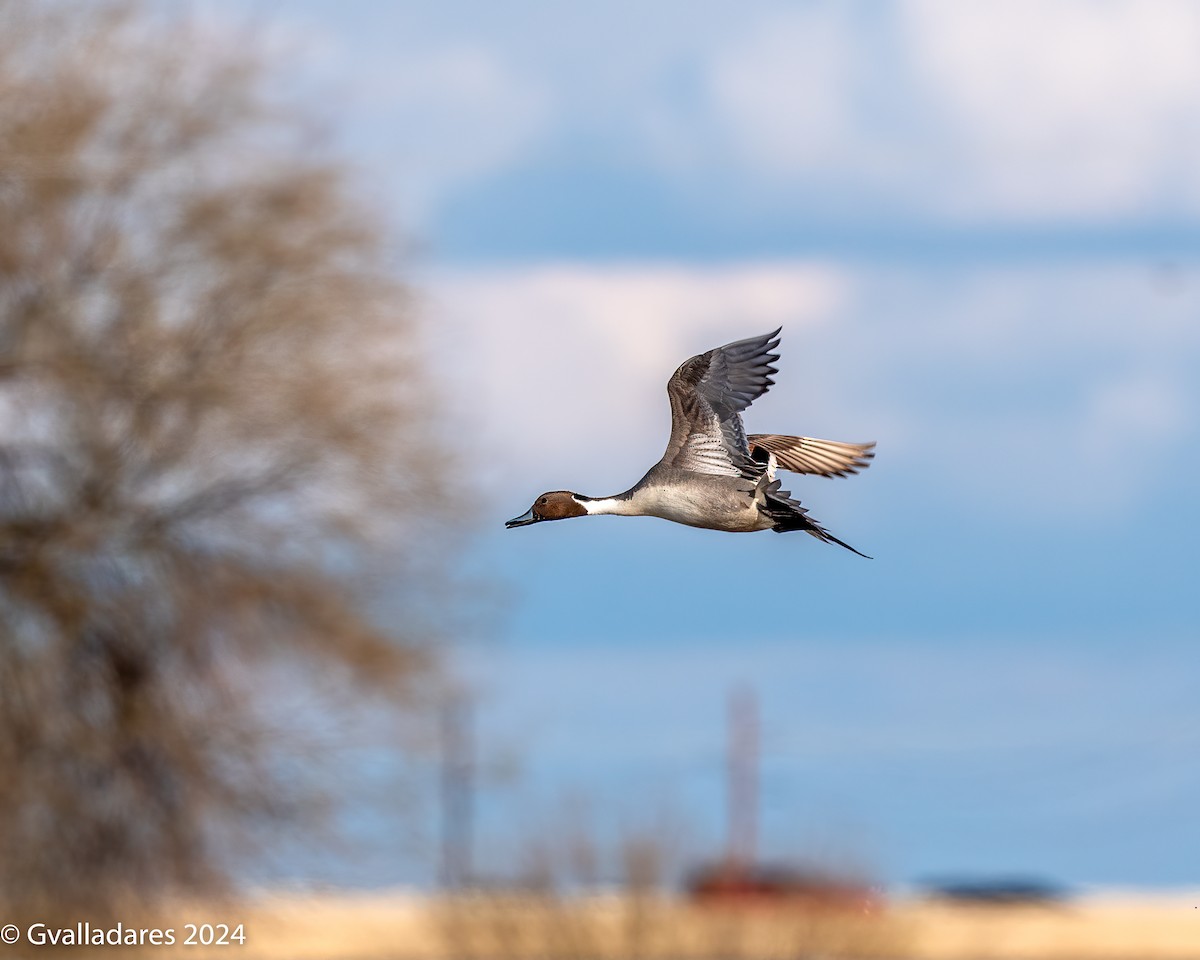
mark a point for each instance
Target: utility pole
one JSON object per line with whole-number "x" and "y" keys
{"x": 742, "y": 779}
{"x": 457, "y": 789}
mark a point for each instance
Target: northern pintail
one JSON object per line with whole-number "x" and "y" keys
{"x": 713, "y": 475}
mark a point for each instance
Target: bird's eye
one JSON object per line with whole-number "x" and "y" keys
{"x": 542, "y": 502}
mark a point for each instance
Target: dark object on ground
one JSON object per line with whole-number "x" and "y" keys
{"x": 995, "y": 890}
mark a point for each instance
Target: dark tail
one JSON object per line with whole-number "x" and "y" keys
{"x": 789, "y": 515}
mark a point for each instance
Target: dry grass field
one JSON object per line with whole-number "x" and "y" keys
{"x": 377, "y": 926}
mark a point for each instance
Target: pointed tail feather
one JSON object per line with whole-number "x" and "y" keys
{"x": 790, "y": 515}
{"x": 812, "y": 528}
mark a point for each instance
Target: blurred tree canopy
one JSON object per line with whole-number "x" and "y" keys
{"x": 213, "y": 426}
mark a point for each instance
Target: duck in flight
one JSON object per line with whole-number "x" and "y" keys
{"x": 713, "y": 474}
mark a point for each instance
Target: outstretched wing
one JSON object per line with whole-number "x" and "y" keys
{"x": 708, "y": 394}
{"x": 825, "y": 458}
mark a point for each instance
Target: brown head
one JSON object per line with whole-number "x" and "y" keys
{"x": 555, "y": 505}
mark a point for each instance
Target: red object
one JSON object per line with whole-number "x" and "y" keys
{"x": 728, "y": 883}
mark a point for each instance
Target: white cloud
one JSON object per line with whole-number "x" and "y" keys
{"x": 570, "y": 362}
{"x": 1024, "y": 111}
{"x": 428, "y": 112}
{"x": 783, "y": 93}
{"x": 1071, "y": 107}
{"x": 1061, "y": 391}
{"x": 1032, "y": 110}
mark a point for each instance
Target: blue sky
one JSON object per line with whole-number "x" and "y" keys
{"x": 979, "y": 226}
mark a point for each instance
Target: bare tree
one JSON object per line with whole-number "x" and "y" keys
{"x": 212, "y": 426}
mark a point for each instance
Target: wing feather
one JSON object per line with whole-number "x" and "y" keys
{"x": 708, "y": 394}
{"x": 825, "y": 458}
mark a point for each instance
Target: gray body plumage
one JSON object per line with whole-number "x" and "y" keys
{"x": 698, "y": 500}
